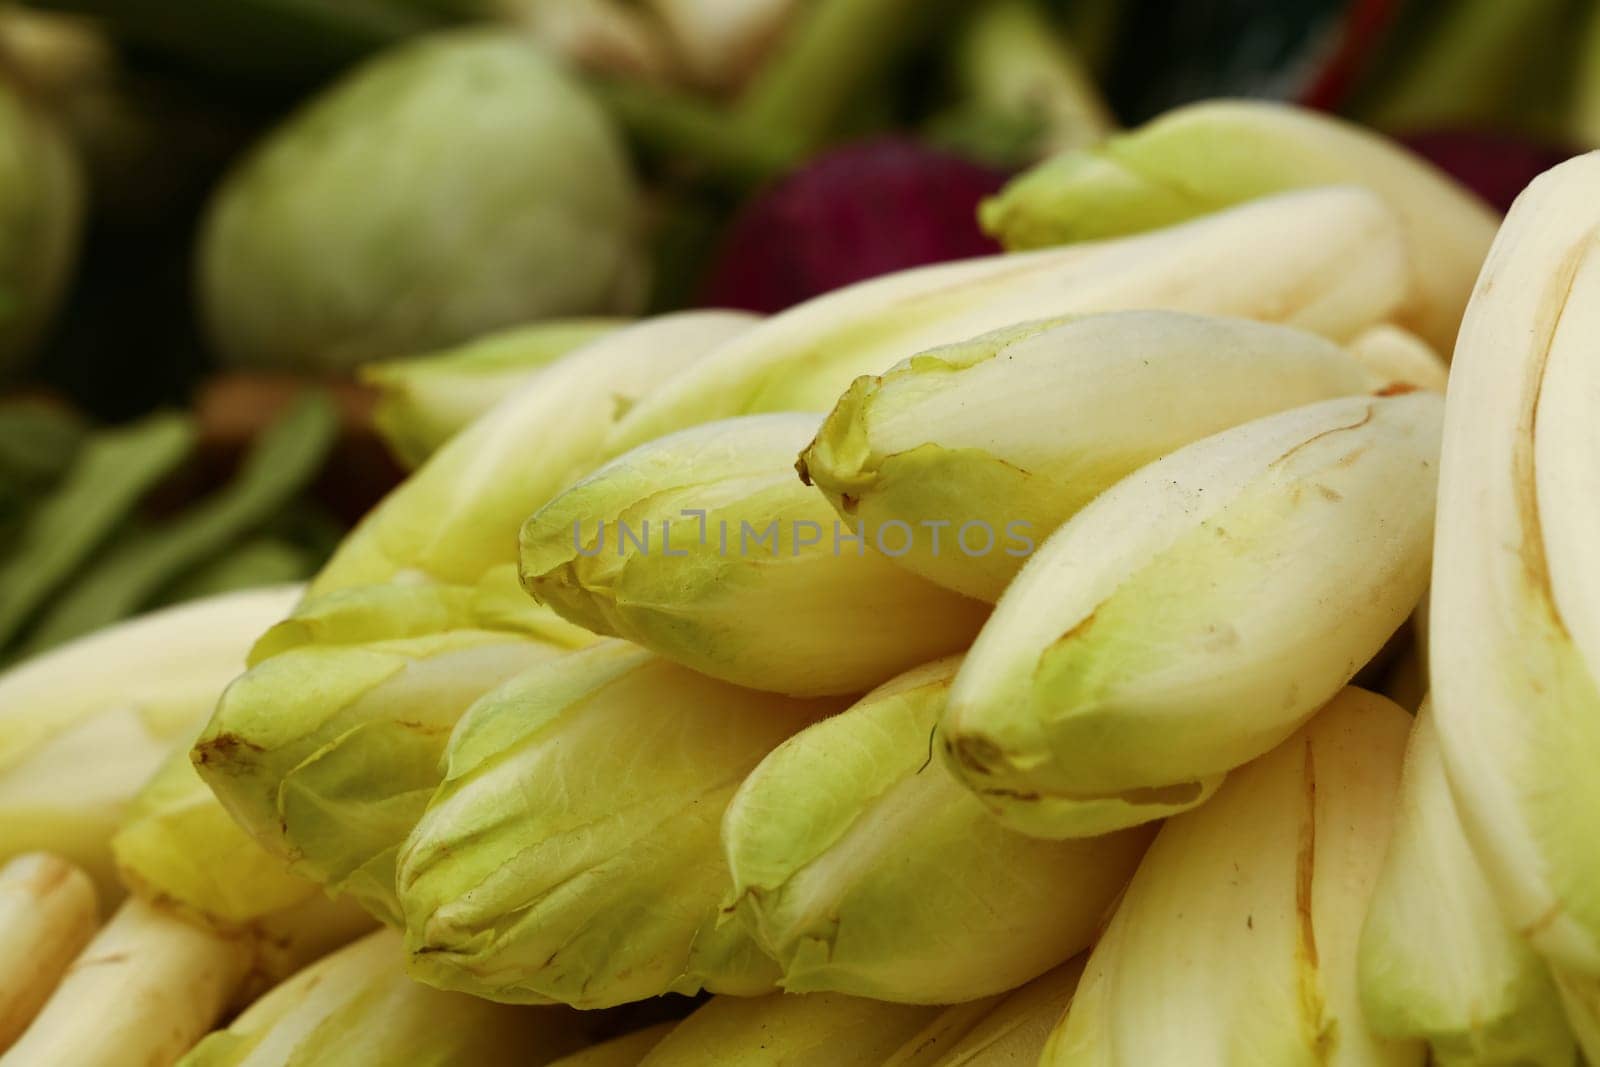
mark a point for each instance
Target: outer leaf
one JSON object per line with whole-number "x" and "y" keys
{"x": 819, "y": 1030}
{"x": 706, "y": 548}
{"x": 47, "y": 913}
{"x": 356, "y": 1008}
{"x": 556, "y": 863}
{"x": 1196, "y": 614}
{"x": 1399, "y": 358}
{"x": 1515, "y": 621}
{"x": 1216, "y": 154}
{"x": 862, "y": 866}
{"x": 1008, "y": 1031}
{"x": 152, "y": 984}
{"x": 1330, "y": 260}
{"x": 327, "y": 755}
{"x": 83, "y": 727}
{"x": 1236, "y": 943}
{"x": 1438, "y": 960}
{"x": 625, "y": 1051}
{"x": 457, "y": 516}
{"x": 389, "y": 610}
{"x": 426, "y": 400}
{"x": 178, "y": 844}
{"x": 1001, "y": 439}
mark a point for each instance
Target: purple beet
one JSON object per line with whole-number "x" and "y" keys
{"x": 859, "y": 211}
{"x": 1496, "y": 166}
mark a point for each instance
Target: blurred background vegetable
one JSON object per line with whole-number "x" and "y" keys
{"x": 100, "y": 524}
{"x": 856, "y": 212}
{"x": 459, "y": 184}
{"x": 41, "y": 204}
{"x": 752, "y": 153}
{"x": 425, "y": 400}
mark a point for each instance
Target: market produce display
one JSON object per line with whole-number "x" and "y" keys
{"x": 684, "y": 551}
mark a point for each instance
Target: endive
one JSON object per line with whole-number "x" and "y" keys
{"x": 1399, "y": 358}
{"x": 385, "y": 611}
{"x": 833, "y": 1030}
{"x": 1219, "y": 153}
{"x": 82, "y": 727}
{"x": 456, "y": 183}
{"x": 995, "y": 442}
{"x": 41, "y": 214}
{"x": 1196, "y": 614}
{"x": 704, "y": 546}
{"x": 625, "y": 1051}
{"x": 862, "y": 866}
{"x": 1437, "y": 958}
{"x": 1006, "y": 1031}
{"x": 180, "y": 851}
{"x": 1580, "y": 995}
{"x": 178, "y": 844}
{"x": 141, "y": 992}
{"x": 1235, "y": 945}
{"x": 153, "y": 980}
{"x": 357, "y": 1008}
{"x": 328, "y": 754}
{"x": 158, "y": 950}
{"x": 456, "y": 517}
{"x": 1332, "y": 261}
{"x": 571, "y": 853}
{"x": 1515, "y": 614}
{"x": 785, "y": 1030}
{"x": 426, "y": 400}
{"x": 47, "y": 913}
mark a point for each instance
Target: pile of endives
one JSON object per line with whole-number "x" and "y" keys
{"x": 1115, "y": 654}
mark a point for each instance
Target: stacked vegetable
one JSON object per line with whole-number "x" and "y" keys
{"x": 1013, "y": 660}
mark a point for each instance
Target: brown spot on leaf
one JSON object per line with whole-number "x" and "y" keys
{"x": 1535, "y": 565}
{"x": 1311, "y": 1002}
{"x": 974, "y": 753}
{"x": 1365, "y": 418}
{"x": 222, "y": 748}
